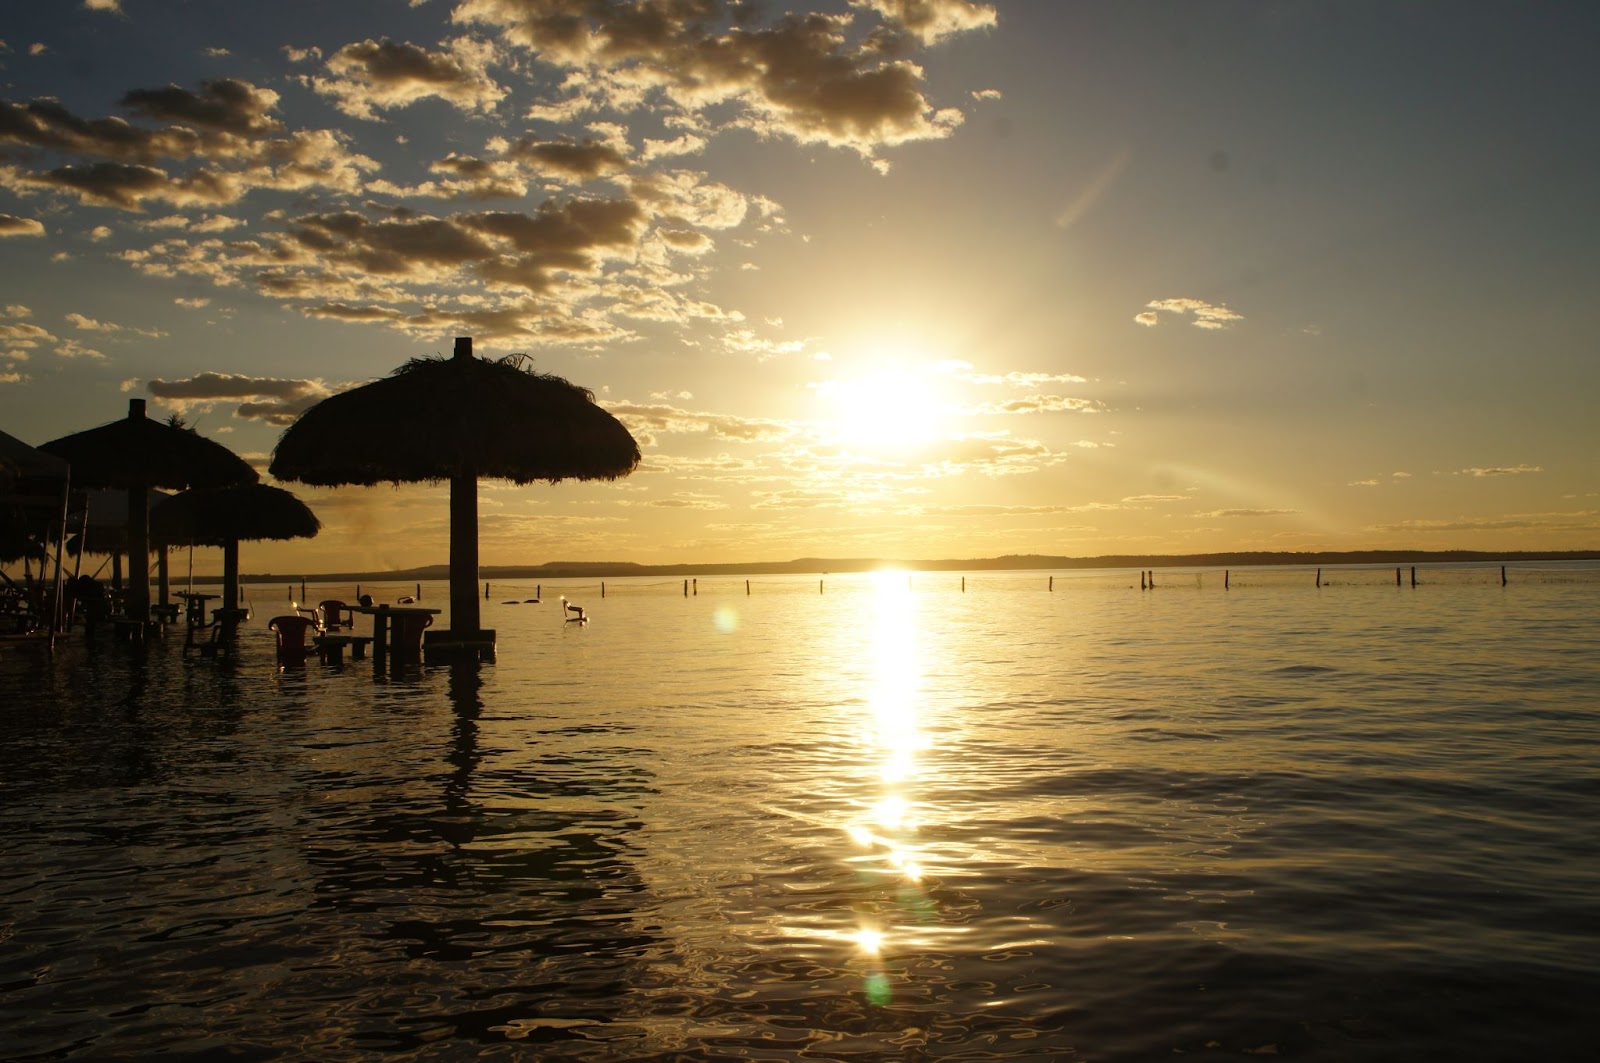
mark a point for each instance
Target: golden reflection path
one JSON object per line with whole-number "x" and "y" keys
{"x": 886, "y": 824}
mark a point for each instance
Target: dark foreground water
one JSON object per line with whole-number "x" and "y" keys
{"x": 878, "y": 822}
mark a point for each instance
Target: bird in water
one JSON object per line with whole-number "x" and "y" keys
{"x": 577, "y": 610}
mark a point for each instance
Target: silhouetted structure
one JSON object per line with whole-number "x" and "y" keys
{"x": 222, "y": 516}
{"x": 137, "y": 453}
{"x": 457, "y": 419}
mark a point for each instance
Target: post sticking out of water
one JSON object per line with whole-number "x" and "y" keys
{"x": 696, "y": 582}
{"x": 819, "y": 586}
{"x": 1413, "y": 575}
{"x": 1052, "y": 583}
{"x": 302, "y": 588}
{"x": 963, "y": 584}
{"x": 1226, "y": 575}
{"x": 1397, "y": 575}
{"x": 485, "y": 590}
{"x": 747, "y": 588}
{"x": 538, "y": 590}
{"x": 686, "y": 588}
{"x": 419, "y": 593}
{"x": 1319, "y": 577}
{"x": 602, "y": 588}
{"x": 1141, "y": 580}
{"x": 1502, "y": 575}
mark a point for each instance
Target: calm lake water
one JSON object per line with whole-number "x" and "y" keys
{"x": 891, "y": 820}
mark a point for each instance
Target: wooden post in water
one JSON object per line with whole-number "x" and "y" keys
{"x": 1413, "y": 575}
{"x": 1502, "y": 575}
{"x": 819, "y": 586}
{"x": 1319, "y": 577}
{"x": 302, "y": 588}
{"x": 1052, "y": 583}
{"x": 686, "y": 588}
{"x": 1226, "y": 576}
{"x": 291, "y": 592}
{"x": 697, "y": 586}
{"x": 538, "y": 590}
{"x": 963, "y": 584}
{"x": 1152, "y": 579}
{"x": 1141, "y": 579}
{"x": 747, "y": 588}
{"x": 1397, "y": 575}
{"x": 602, "y": 588}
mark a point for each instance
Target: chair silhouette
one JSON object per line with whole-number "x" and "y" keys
{"x": 335, "y": 614}
{"x": 292, "y": 645}
{"x": 406, "y": 635}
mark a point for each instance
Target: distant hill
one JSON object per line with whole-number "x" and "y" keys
{"x": 825, "y": 566}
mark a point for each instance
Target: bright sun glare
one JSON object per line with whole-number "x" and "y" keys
{"x": 893, "y": 408}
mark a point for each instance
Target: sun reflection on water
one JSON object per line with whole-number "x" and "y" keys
{"x": 889, "y": 815}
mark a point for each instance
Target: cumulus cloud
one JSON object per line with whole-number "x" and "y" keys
{"x": 367, "y": 76}
{"x": 807, "y": 78}
{"x": 932, "y": 20}
{"x": 226, "y": 104}
{"x": 1205, "y": 315}
{"x": 11, "y": 225}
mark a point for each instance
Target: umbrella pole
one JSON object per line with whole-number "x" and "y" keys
{"x": 230, "y": 589}
{"x": 464, "y": 554}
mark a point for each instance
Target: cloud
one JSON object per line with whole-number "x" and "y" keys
{"x": 1499, "y": 470}
{"x": 801, "y": 78}
{"x": 1036, "y": 404}
{"x": 1246, "y": 513}
{"x": 649, "y": 418}
{"x": 70, "y": 348}
{"x": 1206, "y": 315}
{"x": 88, "y": 324}
{"x": 114, "y": 6}
{"x": 932, "y": 20}
{"x": 227, "y": 105}
{"x": 272, "y": 400}
{"x": 11, "y": 225}
{"x": 390, "y": 74}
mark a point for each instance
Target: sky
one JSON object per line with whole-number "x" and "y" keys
{"x": 908, "y": 279}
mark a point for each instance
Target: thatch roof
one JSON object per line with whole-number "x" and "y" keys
{"x": 19, "y": 461}
{"x": 435, "y": 418}
{"x": 217, "y": 516}
{"x": 136, "y": 451}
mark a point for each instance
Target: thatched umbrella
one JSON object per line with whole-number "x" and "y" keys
{"x": 222, "y": 516}
{"x": 457, "y": 419}
{"x": 137, "y": 453}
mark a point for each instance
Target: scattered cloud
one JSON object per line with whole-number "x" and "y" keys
{"x": 11, "y": 225}
{"x": 367, "y": 76}
{"x": 1206, "y": 315}
{"x": 114, "y": 6}
{"x": 1499, "y": 470}
{"x": 1247, "y": 513}
{"x": 271, "y": 400}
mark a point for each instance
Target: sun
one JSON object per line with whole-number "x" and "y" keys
{"x": 884, "y": 408}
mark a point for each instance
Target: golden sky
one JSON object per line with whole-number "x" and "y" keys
{"x": 899, "y": 278}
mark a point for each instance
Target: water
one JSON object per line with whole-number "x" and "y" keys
{"x": 878, "y": 822}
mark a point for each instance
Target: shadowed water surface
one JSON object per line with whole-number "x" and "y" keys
{"x": 888, "y": 821}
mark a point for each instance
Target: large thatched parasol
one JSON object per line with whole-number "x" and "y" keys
{"x": 33, "y": 491}
{"x": 222, "y": 516}
{"x": 137, "y": 453}
{"x": 457, "y": 419}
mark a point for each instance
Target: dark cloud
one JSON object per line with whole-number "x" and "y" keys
{"x": 11, "y": 225}
{"x": 227, "y": 105}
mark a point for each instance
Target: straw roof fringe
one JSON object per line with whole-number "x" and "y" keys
{"x": 136, "y": 451}
{"x": 436, "y": 418}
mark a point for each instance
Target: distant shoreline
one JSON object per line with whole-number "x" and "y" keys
{"x": 1008, "y": 562}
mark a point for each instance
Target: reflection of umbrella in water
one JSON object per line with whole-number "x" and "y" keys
{"x": 221, "y": 516}
{"x": 457, "y": 419}
{"x": 137, "y": 453}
